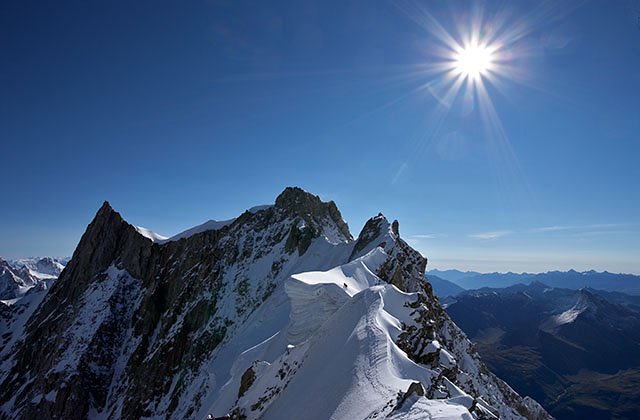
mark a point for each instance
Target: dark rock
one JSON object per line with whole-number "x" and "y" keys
{"x": 395, "y": 228}
{"x": 372, "y": 229}
{"x": 415, "y": 388}
{"x": 246, "y": 381}
{"x": 297, "y": 202}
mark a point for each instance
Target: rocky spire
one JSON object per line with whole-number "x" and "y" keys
{"x": 298, "y": 202}
{"x": 375, "y": 228}
{"x": 107, "y": 238}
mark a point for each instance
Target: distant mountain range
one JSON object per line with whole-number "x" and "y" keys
{"x": 17, "y": 277}
{"x": 575, "y": 351}
{"x": 625, "y": 283}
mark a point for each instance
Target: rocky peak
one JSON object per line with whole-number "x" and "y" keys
{"x": 108, "y": 238}
{"x": 589, "y": 300}
{"x": 592, "y": 305}
{"x": 14, "y": 282}
{"x": 395, "y": 228}
{"x": 405, "y": 267}
{"x": 296, "y": 197}
{"x": 46, "y": 261}
{"x": 48, "y": 266}
{"x": 296, "y": 202}
{"x": 375, "y": 228}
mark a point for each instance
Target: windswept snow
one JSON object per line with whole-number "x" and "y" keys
{"x": 148, "y": 233}
{"x": 212, "y": 224}
{"x": 570, "y": 315}
{"x": 208, "y": 225}
{"x": 256, "y": 209}
{"x": 353, "y": 277}
{"x": 337, "y": 358}
{"x": 421, "y": 408}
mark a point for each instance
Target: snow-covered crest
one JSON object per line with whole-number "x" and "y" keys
{"x": 227, "y": 320}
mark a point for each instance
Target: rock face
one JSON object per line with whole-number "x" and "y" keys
{"x": 199, "y": 326}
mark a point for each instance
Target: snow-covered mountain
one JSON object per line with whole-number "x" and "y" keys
{"x": 41, "y": 267}
{"x": 17, "y": 277}
{"x": 575, "y": 351}
{"x": 276, "y": 314}
{"x": 613, "y": 282}
{"x": 14, "y": 282}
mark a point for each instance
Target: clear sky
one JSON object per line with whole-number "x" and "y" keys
{"x": 179, "y": 112}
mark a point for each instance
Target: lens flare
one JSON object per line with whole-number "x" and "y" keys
{"x": 467, "y": 59}
{"x": 474, "y": 61}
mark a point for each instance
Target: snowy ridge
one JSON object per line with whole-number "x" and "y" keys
{"x": 582, "y": 305}
{"x": 278, "y": 314}
{"x": 350, "y": 368}
{"x": 208, "y": 225}
{"x": 315, "y": 296}
{"x": 19, "y": 277}
{"x": 147, "y": 233}
{"x": 342, "y": 360}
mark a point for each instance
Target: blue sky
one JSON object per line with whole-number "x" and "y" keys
{"x": 179, "y": 112}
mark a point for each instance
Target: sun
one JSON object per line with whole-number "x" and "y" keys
{"x": 474, "y": 61}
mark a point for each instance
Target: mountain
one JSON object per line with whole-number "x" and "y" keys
{"x": 19, "y": 276}
{"x": 14, "y": 282}
{"x": 574, "y": 351}
{"x": 23, "y": 285}
{"x": 278, "y": 314}
{"x": 443, "y": 288}
{"x": 42, "y": 267}
{"x": 452, "y": 275}
{"x": 625, "y": 283}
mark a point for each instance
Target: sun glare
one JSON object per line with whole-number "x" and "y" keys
{"x": 473, "y": 61}
{"x": 476, "y": 55}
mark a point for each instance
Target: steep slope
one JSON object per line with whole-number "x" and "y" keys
{"x": 139, "y": 327}
{"x": 362, "y": 348}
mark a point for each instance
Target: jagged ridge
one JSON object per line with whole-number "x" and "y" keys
{"x": 158, "y": 329}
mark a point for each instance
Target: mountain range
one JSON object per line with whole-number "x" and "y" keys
{"x": 19, "y": 276}
{"x": 277, "y": 314}
{"x": 625, "y": 283}
{"x": 575, "y": 351}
